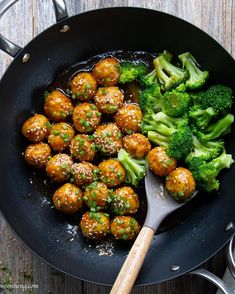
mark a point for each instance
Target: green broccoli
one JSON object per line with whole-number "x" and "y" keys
{"x": 149, "y": 123}
{"x": 158, "y": 139}
{"x": 200, "y": 118}
{"x": 159, "y": 122}
{"x": 149, "y": 79}
{"x": 205, "y": 173}
{"x": 172, "y": 133}
{"x": 168, "y": 74}
{"x": 197, "y": 77}
{"x": 219, "y": 97}
{"x": 175, "y": 103}
{"x": 206, "y": 150}
{"x": 131, "y": 71}
{"x": 150, "y": 98}
{"x": 180, "y": 143}
{"x": 217, "y": 129}
{"x": 135, "y": 168}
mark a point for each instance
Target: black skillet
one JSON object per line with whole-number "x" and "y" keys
{"x": 177, "y": 250}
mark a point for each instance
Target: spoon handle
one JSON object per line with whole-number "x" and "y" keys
{"x": 131, "y": 267}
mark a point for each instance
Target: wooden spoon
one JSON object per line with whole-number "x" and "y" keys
{"x": 160, "y": 204}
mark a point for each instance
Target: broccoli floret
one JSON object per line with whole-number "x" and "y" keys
{"x": 180, "y": 143}
{"x": 159, "y": 121}
{"x": 219, "y": 97}
{"x": 148, "y": 79}
{"x": 169, "y": 120}
{"x": 216, "y": 130}
{"x": 200, "y": 118}
{"x": 172, "y": 133}
{"x": 149, "y": 123}
{"x": 205, "y": 173}
{"x": 158, "y": 139}
{"x": 131, "y": 71}
{"x": 168, "y": 74}
{"x": 175, "y": 103}
{"x": 197, "y": 77}
{"x": 135, "y": 168}
{"x": 206, "y": 151}
{"x": 150, "y": 98}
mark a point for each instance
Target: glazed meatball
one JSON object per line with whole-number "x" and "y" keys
{"x": 58, "y": 167}
{"x": 96, "y": 196}
{"x": 109, "y": 99}
{"x": 137, "y": 145}
{"x": 125, "y": 201}
{"x": 83, "y": 86}
{"x": 60, "y": 136}
{"x": 106, "y": 71}
{"x": 36, "y": 128}
{"x": 128, "y": 118}
{"x": 108, "y": 139}
{"x": 37, "y": 154}
{"x": 68, "y": 198}
{"x": 84, "y": 173}
{"x": 86, "y": 117}
{"x": 95, "y": 225}
{"x": 124, "y": 228}
{"x": 159, "y": 162}
{"x": 112, "y": 173}
{"x": 57, "y": 106}
{"x": 180, "y": 184}
{"x": 83, "y": 148}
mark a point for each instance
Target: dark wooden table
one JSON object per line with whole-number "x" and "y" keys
{"x": 24, "y": 21}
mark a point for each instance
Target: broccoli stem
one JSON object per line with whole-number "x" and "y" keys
{"x": 158, "y": 139}
{"x": 220, "y": 128}
{"x": 169, "y": 74}
{"x": 222, "y": 161}
{"x": 135, "y": 168}
{"x": 197, "y": 77}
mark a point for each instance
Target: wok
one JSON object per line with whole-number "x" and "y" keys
{"x": 195, "y": 237}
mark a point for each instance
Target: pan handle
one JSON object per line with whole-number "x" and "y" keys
{"x": 60, "y": 10}
{"x": 212, "y": 277}
{"x": 13, "y": 49}
{"x": 6, "y": 45}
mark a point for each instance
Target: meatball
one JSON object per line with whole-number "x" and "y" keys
{"x": 108, "y": 139}
{"x": 124, "y": 228}
{"x": 159, "y": 162}
{"x": 125, "y": 201}
{"x": 59, "y": 166}
{"x": 109, "y": 99}
{"x": 86, "y": 117}
{"x": 68, "y": 198}
{"x": 106, "y": 71}
{"x": 36, "y": 128}
{"x": 112, "y": 172}
{"x": 95, "y": 225}
{"x": 180, "y": 184}
{"x": 60, "y": 136}
{"x": 96, "y": 196}
{"x": 57, "y": 106}
{"x": 137, "y": 145}
{"x": 128, "y": 118}
{"x": 37, "y": 154}
{"x": 83, "y": 86}
{"x": 84, "y": 173}
{"x": 83, "y": 148}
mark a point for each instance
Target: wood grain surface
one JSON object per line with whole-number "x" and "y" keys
{"x": 20, "y": 24}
